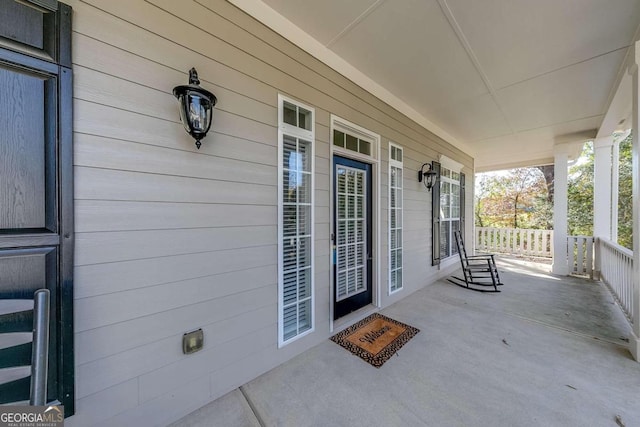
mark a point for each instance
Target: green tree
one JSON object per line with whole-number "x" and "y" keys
{"x": 512, "y": 199}
{"x": 625, "y": 205}
{"x": 580, "y": 194}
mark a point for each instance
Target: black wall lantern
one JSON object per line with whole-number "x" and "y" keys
{"x": 196, "y": 107}
{"x": 428, "y": 177}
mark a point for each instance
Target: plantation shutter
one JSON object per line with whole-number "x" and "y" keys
{"x": 462, "y": 203}
{"x": 435, "y": 216}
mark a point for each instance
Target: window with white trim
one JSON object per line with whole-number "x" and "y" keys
{"x": 295, "y": 214}
{"x": 395, "y": 218}
{"x": 449, "y": 211}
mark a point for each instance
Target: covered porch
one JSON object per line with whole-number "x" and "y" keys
{"x": 548, "y": 350}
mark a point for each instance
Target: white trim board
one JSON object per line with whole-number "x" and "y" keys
{"x": 281, "y": 25}
{"x": 450, "y": 164}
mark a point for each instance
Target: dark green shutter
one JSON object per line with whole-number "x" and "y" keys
{"x": 435, "y": 216}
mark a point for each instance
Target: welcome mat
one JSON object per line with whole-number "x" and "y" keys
{"x": 375, "y": 338}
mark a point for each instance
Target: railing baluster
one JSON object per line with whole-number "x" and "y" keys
{"x": 617, "y": 274}
{"x": 571, "y": 254}
{"x": 580, "y": 255}
{"x": 516, "y": 241}
{"x": 589, "y": 259}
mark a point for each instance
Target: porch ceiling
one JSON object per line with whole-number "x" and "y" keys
{"x": 504, "y": 79}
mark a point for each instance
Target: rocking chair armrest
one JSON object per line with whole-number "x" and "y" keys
{"x": 481, "y": 256}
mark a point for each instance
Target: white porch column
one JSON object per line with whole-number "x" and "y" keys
{"x": 634, "y": 339}
{"x": 560, "y": 203}
{"x": 602, "y": 187}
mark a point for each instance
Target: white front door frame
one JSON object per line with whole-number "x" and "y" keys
{"x": 374, "y": 159}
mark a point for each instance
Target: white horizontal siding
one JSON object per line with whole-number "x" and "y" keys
{"x": 108, "y": 153}
{"x": 97, "y": 248}
{"x": 114, "y": 277}
{"x": 102, "y": 310}
{"x": 170, "y": 238}
{"x": 120, "y": 337}
{"x": 115, "y": 215}
{"x": 109, "y": 184}
{"x": 159, "y": 356}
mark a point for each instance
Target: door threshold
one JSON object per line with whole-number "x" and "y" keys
{"x": 353, "y": 317}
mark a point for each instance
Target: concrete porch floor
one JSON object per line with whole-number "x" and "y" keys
{"x": 547, "y": 351}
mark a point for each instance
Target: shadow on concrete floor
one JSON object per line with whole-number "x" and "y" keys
{"x": 547, "y": 351}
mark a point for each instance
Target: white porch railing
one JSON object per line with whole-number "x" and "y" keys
{"x": 515, "y": 241}
{"x": 539, "y": 243}
{"x": 580, "y": 256}
{"x": 616, "y": 271}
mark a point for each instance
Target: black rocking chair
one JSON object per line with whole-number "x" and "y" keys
{"x": 480, "y": 271}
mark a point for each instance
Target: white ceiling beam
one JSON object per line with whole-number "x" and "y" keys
{"x": 446, "y": 10}
{"x": 355, "y": 22}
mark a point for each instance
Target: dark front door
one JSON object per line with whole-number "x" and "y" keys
{"x": 352, "y": 272}
{"x": 36, "y": 193}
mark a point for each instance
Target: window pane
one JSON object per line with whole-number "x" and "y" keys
{"x": 338, "y": 138}
{"x": 290, "y": 254}
{"x": 304, "y": 148}
{"x": 304, "y": 284}
{"x": 304, "y": 119}
{"x": 341, "y": 284}
{"x": 360, "y": 284}
{"x": 445, "y": 227}
{"x": 304, "y": 220}
{"x": 290, "y": 322}
{"x": 289, "y": 220}
{"x": 290, "y": 285}
{"x": 304, "y": 315}
{"x": 352, "y": 143}
{"x": 304, "y": 252}
{"x": 288, "y": 191}
{"x": 289, "y": 114}
{"x": 455, "y": 225}
{"x": 365, "y": 147}
{"x": 304, "y": 187}
{"x": 360, "y": 236}
{"x": 289, "y": 148}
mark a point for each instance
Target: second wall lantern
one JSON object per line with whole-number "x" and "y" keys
{"x": 196, "y": 107}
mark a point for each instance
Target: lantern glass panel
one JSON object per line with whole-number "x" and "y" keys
{"x": 199, "y": 112}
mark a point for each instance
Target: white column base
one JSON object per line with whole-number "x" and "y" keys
{"x": 560, "y": 268}
{"x": 634, "y": 346}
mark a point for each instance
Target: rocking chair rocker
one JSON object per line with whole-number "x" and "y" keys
{"x": 480, "y": 271}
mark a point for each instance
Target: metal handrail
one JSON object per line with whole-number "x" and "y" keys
{"x": 40, "y": 348}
